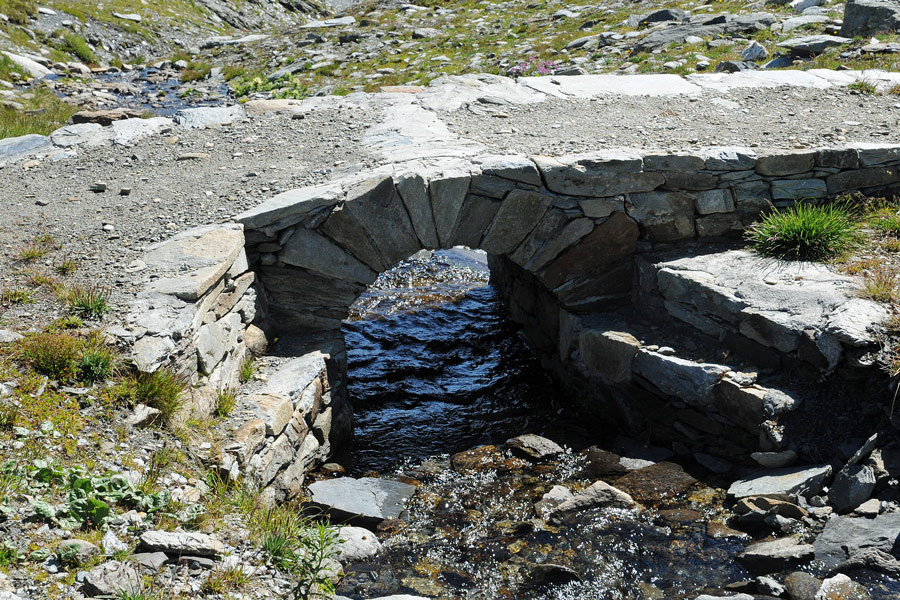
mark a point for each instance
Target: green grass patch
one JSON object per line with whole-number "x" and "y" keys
{"x": 881, "y": 284}
{"x": 161, "y": 389}
{"x": 75, "y": 45}
{"x": 67, "y": 357}
{"x": 19, "y": 11}
{"x": 863, "y": 87}
{"x": 13, "y": 296}
{"x": 806, "y": 232}
{"x": 43, "y": 114}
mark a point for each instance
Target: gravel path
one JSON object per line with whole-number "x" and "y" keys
{"x": 248, "y": 162}
{"x": 776, "y": 118}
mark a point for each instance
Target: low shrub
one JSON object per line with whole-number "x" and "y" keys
{"x": 882, "y": 284}
{"x": 67, "y": 357}
{"x": 806, "y": 232}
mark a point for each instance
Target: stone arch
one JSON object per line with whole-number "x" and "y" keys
{"x": 316, "y": 249}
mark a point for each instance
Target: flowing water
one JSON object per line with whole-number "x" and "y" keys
{"x": 435, "y": 368}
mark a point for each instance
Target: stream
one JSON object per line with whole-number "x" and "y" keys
{"x": 437, "y": 368}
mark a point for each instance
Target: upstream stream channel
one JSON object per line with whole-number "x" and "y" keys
{"x": 437, "y": 368}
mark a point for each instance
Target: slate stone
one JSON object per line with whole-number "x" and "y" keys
{"x": 782, "y": 484}
{"x": 447, "y": 196}
{"x": 852, "y": 486}
{"x": 111, "y": 578}
{"x": 289, "y": 208}
{"x": 414, "y": 192}
{"x": 377, "y": 206}
{"x": 865, "y": 18}
{"x": 845, "y": 536}
{"x": 599, "y": 174}
{"x": 608, "y": 243}
{"x": 767, "y": 557}
{"x": 311, "y": 250}
{"x": 213, "y": 116}
{"x": 151, "y": 560}
{"x": 15, "y": 148}
{"x": 181, "y": 543}
{"x": 798, "y": 189}
{"x": 812, "y": 45}
{"x": 519, "y": 212}
{"x": 686, "y": 380}
{"x": 475, "y": 217}
{"x": 193, "y": 261}
{"x": 366, "y": 501}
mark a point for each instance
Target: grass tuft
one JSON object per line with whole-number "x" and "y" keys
{"x": 14, "y": 296}
{"x": 882, "y": 284}
{"x": 248, "y": 370}
{"x": 806, "y": 232}
{"x": 863, "y": 87}
{"x": 89, "y": 302}
{"x": 225, "y": 403}
{"x": 160, "y": 389}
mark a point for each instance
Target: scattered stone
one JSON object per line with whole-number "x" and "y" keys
{"x": 77, "y": 551}
{"x": 768, "y": 586}
{"x": 179, "y": 544}
{"x": 359, "y": 544}
{"x": 813, "y": 45}
{"x": 841, "y": 587}
{"x": 151, "y": 560}
{"x": 112, "y": 578}
{"x": 755, "y": 51}
{"x": 782, "y": 484}
{"x": 133, "y": 17}
{"x": 801, "y": 586}
{"x": 142, "y": 416}
{"x": 193, "y": 156}
{"x": 598, "y": 495}
{"x": 852, "y": 486}
{"x": 98, "y": 188}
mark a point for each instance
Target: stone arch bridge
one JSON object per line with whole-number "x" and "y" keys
{"x": 586, "y": 251}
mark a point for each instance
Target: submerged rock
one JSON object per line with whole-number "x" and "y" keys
{"x": 655, "y": 483}
{"x": 534, "y": 446}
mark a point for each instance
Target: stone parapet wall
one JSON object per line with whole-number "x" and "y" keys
{"x": 574, "y": 222}
{"x": 195, "y": 312}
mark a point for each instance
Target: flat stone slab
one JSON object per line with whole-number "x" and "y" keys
{"x": 590, "y": 86}
{"x": 367, "y": 500}
{"x": 782, "y": 484}
{"x": 191, "y": 262}
{"x": 12, "y": 149}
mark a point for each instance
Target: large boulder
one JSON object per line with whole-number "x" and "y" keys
{"x": 867, "y": 17}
